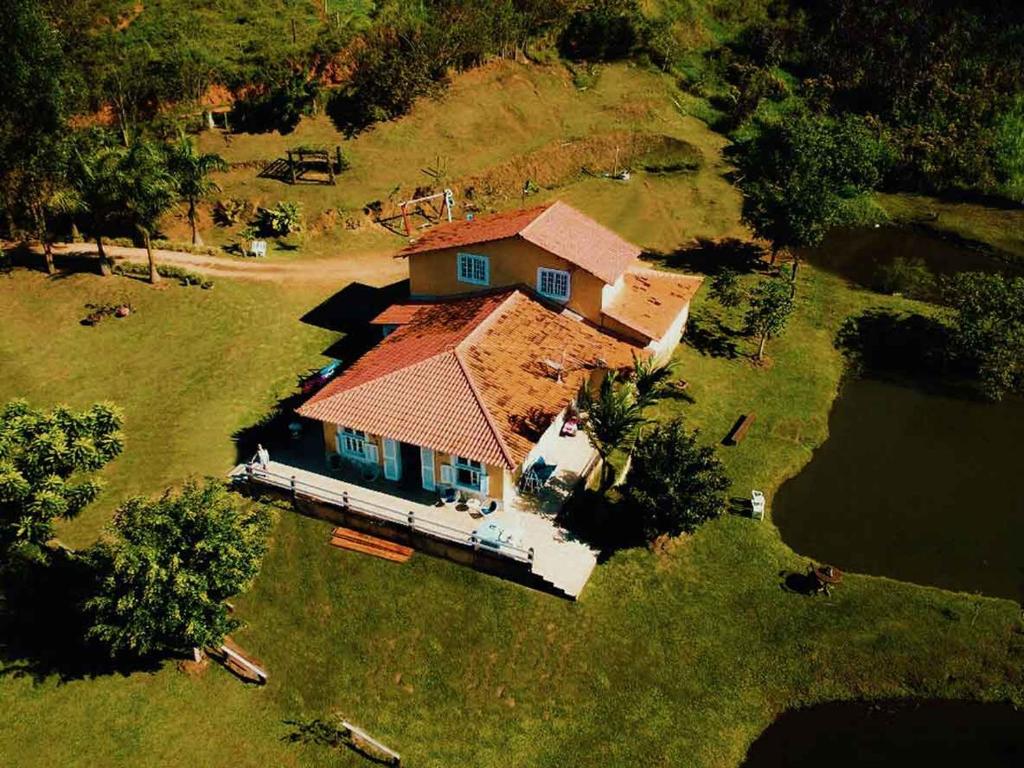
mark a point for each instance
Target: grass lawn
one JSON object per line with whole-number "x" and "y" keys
{"x": 679, "y": 656}
{"x": 676, "y": 657}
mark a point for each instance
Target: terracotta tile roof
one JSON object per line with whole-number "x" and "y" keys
{"x": 556, "y": 227}
{"x": 468, "y": 376}
{"x": 397, "y": 314}
{"x": 651, "y": 300}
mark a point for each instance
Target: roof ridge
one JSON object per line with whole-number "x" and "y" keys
{"x": 492, "y": 317}
{"x": 483, "y": 409}
{"x": 547, "y": 209}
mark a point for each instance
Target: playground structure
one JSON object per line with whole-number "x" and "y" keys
{"x": 447, "y": 203}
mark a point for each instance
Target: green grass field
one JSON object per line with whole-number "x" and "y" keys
{"x": 677, "y": 656}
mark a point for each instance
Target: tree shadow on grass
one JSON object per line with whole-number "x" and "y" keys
{"x": 707, "y": 334}
{"x": 798, "y": 583}
{"x": 600, "y": 522}
{"x": 43, "y": 624}
{"x": 709, "y": 255}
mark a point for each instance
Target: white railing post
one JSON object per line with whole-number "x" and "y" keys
{"x": 344, "y": 498}
{"x": 475, "y": 541}
{"x": 529, "y": 554}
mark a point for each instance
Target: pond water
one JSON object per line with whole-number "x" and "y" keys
{"x": 935, "y": 733}
{"x": 917, "y": 486}
{"x": 859, "y": 254}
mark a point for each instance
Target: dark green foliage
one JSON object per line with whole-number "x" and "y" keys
{"x": 882, "y": 341}
{"x": 33, "y": 103}
{"x": 44, "y": 458}
{"x": 771, "y": 304}
{"x": 602, "y": 30}
{"x": 649, "y": 378}
{"x": 939, "y": 74}
{"x": 167, "y": 566}
{"x": 725, "y": 288}
{"x": 675, "y": 484}
{"x": 395, "y": 68}
{"x": 988, "y": 329}
{"x": 611, "y": 417}
{"x": 283, "y": 219}
{"x": 800, "y": 176}
{"x": 276, "y": 107}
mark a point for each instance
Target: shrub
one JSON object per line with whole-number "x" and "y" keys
{"x": 283, "y": 219}
{"x": 231, "y": 211}
{"x": 675, "y": 485}
{"x": 184, "y": 276}
{"x": 605, "y": 30}
{"x": 277, "y": 107}
{"x": 725, "y": 288}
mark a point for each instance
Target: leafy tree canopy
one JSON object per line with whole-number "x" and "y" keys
{"x": 167, "y": 565}
{"x": 771, "y": 304}
{"x": 988, "y": 328}
{"x": 675, "y": 484}
{"x": 798, "y": 174}
{"x": 44, "y": 460}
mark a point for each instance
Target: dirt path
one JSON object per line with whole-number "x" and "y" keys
{"x": 369, "y": 268}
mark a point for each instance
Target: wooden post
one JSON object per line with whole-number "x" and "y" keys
{"x": 330, "y": 166}
{"x": 295, "y": 38}
{"x": 405, "y": 220}
{"x": 291, "y": 166}
{"x": 344, "y": 498}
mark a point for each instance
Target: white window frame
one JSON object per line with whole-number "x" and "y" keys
{"x": 477, "y": 472}
{"x": 470, "y": 274}
{"x": 554, "y": 274}
{"x": 352, "y": 443}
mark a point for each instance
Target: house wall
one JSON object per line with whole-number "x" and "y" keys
{"x": 665, "y": 346}
{"x": 499, "y": 479}
{"x": 513, "y": 261}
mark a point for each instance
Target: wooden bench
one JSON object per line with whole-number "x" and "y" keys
{"x": 740, "y": 429}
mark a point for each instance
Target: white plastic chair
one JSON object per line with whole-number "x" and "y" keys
{"x": 757, "y": 505}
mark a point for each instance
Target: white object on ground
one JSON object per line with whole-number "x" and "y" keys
{"x": 757, "y": 505}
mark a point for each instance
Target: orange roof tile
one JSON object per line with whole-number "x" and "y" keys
{"x": 468, "y": 377}
{"x": 651, "y": 300}
{"x": 397, "y": 314}
{"x": 556, "y": 227}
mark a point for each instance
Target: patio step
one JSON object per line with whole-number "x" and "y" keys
{"x": 354, "y": 541}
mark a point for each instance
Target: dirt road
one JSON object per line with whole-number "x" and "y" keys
{"x": 370, "y": 268}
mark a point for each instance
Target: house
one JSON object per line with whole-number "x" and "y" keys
{"x": 471, "y": 388}
{"x": 474, "y": 376}
{"x": 565, "y": 257}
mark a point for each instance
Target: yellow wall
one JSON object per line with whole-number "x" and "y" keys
{"x": 496, "y": 475}
{"x": 512, "y": 261}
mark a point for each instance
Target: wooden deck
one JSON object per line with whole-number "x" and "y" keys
{"x": 545, "y": 549}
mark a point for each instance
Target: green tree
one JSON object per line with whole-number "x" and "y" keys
{"x": 97, "y": 188}
{"x": 611, "y": 417}
{"x": 44, "y": 462}
{"x": 191, "y": 171}
{"x": 675, "y": 484}
{"x": 649, "y": 378}
{"x": 167, "y": 566}
{"x": 33, "y": 100}
{"x": 147, "y": 189}
{"x": 988, "y": 328}
{"x": 799, "y": 176}
{"x": 725, "y": 288}
{"x": 771, "y": 304}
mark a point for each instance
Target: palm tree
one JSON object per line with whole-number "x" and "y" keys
{"x": 649, "y": 378}
{"x": 148, "y": 189}
{"x": 191, "y": 171}
{"x": 96, "y": 185}
{"x": 611, "y": 417}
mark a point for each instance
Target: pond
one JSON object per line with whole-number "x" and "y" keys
{"x": 858, "y": 734}
{"x": 916, "y": 486}
{"x": 860, "y": 254}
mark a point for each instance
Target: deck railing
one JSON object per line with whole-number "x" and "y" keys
{"x": 357, "y": 503}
